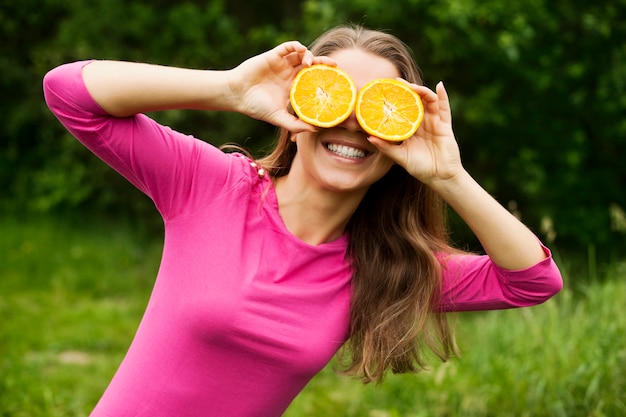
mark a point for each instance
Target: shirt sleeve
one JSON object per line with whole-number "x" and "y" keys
{"x": 164, "y": 164}
{"x": 473, "y": 282}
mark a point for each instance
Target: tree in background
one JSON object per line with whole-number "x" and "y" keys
{"x": 537, "y": 89}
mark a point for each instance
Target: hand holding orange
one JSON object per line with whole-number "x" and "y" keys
{"x": 325, "y": 96}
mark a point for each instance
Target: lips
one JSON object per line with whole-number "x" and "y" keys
{"x": 346, "y": 151}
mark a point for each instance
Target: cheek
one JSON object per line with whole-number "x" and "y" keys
{"x": 385, "y": 164}
{"x": 305, "y": 146}
{"x": 303, "y": 138}
{"x": 385, "y": 167}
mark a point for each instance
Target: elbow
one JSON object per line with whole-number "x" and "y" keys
{"x": 533, "y": 286}
{"x": 552, "y": 281}
{"x": 52, "y": 82}
{"x": 552, "y": 286}
{"x": 538, "y": 290}
{"x": 48, "y": 81}
{"x": 62, "y": 84}
{"x": 544, "y": 283}
{"x": 551, "y": 278}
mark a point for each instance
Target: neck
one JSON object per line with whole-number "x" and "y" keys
{"x": 313, "y": 214}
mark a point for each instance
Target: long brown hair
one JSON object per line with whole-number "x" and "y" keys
{"x": 393, "y": 237}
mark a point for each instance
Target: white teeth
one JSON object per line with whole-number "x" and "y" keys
{"x": 346, "y": 151}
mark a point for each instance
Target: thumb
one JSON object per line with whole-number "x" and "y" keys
{"x": 392, "y": 150}
{"x": 292, "y": 123}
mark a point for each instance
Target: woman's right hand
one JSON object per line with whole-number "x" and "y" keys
{"x": 261, "y": 84}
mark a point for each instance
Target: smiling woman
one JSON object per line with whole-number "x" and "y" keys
{"x": 325, "y": 162}
{"x": 343, "y": 240}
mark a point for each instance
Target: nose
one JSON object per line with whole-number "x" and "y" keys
{"x": 351, "y": 123}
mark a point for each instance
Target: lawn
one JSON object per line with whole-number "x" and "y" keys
{"x": 72, "y": 293}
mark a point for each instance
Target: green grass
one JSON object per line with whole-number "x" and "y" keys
{"x": 72, "y": 294}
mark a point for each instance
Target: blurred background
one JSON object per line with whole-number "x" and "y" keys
{"x": 538, "y": 94}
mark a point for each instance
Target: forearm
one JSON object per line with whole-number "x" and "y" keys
{"x": 507, "y": 241}
{"x": 126, "y": 88}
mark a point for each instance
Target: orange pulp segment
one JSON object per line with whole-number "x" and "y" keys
{"x": 389, "y": 109}
{"x": 322, "y": 95}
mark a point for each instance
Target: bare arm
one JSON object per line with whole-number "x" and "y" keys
{"x": 127, "y": 88}
{"x": 259, "y": 87}
{"x": 507, "y": 241}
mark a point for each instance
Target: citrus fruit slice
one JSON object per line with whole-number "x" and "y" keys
{"x": 389, "y": 109}
{"x": 322, "y": 95}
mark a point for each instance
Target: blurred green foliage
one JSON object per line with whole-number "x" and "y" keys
{"x": 538, "y": 91}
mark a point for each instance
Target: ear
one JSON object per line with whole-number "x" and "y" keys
{"x": 293, "y": 137}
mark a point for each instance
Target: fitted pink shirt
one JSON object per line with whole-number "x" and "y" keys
{"x": 243, "y": 314}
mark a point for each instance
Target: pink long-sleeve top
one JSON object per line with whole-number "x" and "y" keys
{"x": 242, "y": 314}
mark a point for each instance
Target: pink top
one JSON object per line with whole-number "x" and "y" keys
{"x": 242, "y": 314}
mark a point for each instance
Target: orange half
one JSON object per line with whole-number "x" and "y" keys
{"x": 389, "y": 109}
{"x": 322, "y": 95}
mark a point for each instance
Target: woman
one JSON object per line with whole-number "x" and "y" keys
{"x": 269, "y": 267}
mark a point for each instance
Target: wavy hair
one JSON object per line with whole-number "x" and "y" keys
{"x": 394, "y": 236}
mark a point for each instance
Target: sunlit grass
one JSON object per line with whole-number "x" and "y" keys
{"x": 72, "y": 294}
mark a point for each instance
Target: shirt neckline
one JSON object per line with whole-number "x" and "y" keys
{"x": 269, "y": 194}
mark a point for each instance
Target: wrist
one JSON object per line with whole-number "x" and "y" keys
{"x": 452, "y": 184}
{"x": 233, "y": 96}
{"x": 216, "y": 91}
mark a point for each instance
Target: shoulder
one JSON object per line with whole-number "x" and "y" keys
{"x": 214, "y": 177}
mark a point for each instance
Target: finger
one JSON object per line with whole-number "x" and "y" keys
{"x": 425, "y": 93}
{"x": 292, "y": 123}
{"x": 428, "y": 96}
{"x": 392, "y": 150}
{"x": 294, "y": 52}
{"x": 324, "y": 60}
{"x": 430, "y": 100}
{"x": 444, "y": 103}
{"x": 307, "y": 59}
{"x": 287, "y": 48}
{"x": 422, "y": 90}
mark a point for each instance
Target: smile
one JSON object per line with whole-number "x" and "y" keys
{"x": 346, "y": 151}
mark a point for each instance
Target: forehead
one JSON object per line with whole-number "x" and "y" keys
{"x": 364, "y": 66}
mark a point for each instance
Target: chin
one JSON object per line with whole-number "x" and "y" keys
{"x": 346, "y": 185}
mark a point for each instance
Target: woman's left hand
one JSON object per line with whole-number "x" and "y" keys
{"x": 432, "y": 153}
